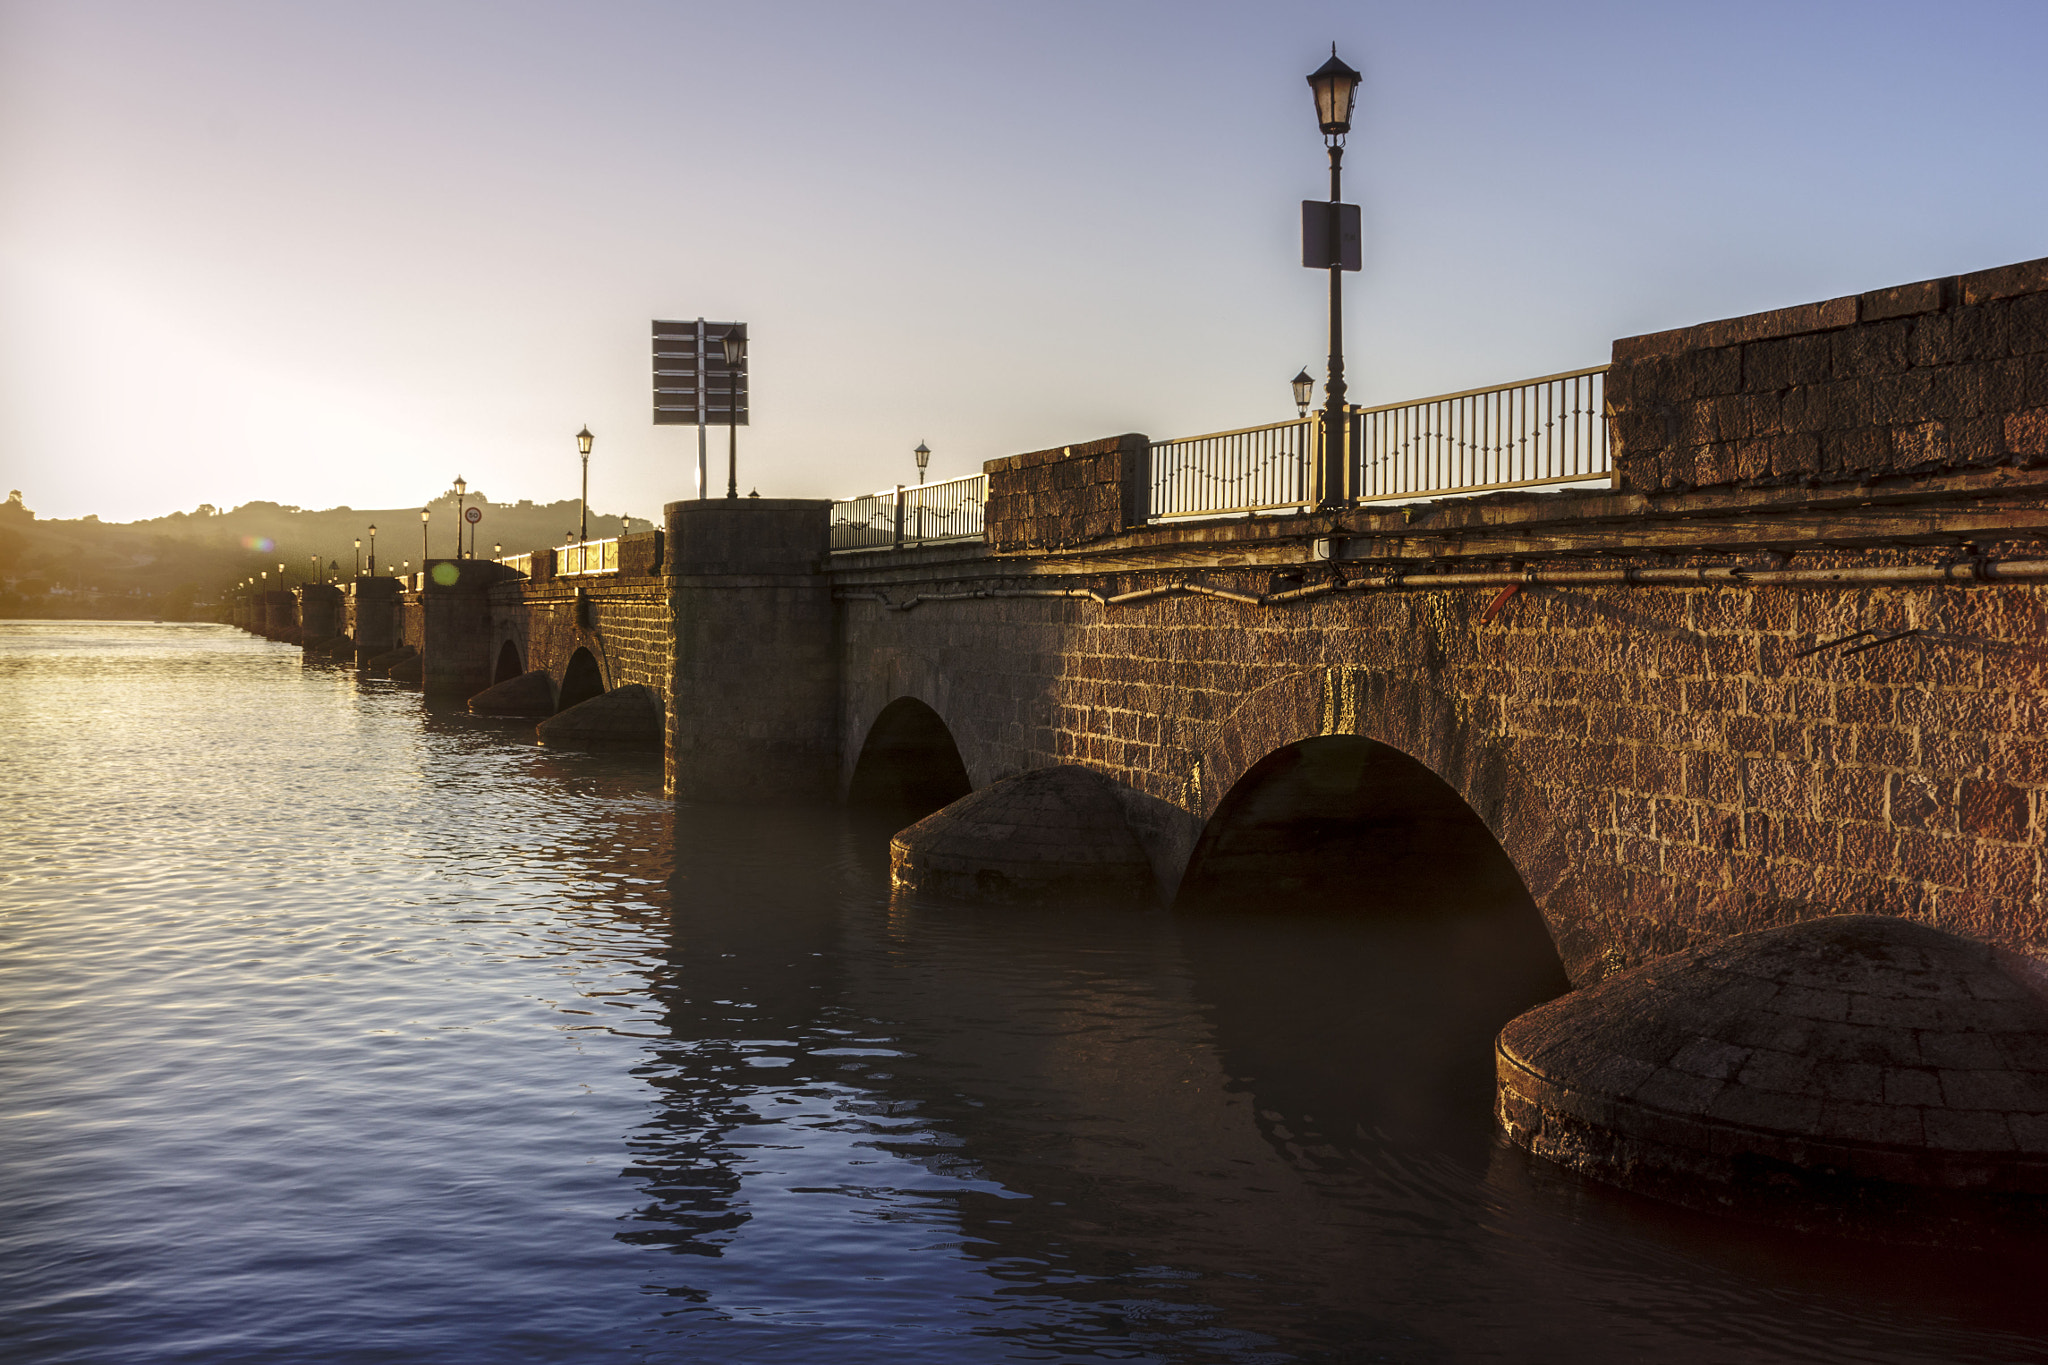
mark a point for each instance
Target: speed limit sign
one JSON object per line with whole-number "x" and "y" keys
{"x": 473, "y": 515}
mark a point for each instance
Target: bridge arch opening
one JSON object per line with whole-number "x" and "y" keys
{"x": 1343, "y": 825}
{"x": 581, "y": 681}
{"x": 909, "y": 763}
{"x": 509, "y": 666}
{"x": 1367, "y": 1015}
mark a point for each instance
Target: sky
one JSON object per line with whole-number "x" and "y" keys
{"x": 327, "y": 254}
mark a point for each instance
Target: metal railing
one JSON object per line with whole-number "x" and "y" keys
{"x": 919, "y": 515}
{"x": 592, "y": 556}
{"x": 1541, "y": 431}
{"x": 1526, "y": 435}
{"x": 521, "y": 563}
{"x": 1257, "y": 469}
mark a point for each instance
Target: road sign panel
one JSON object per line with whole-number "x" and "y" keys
{"x": 693, "y": 386}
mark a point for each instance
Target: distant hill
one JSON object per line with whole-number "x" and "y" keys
{"x": 176, "y": 566}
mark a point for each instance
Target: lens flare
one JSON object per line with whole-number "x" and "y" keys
{"x": 260, "y": 544}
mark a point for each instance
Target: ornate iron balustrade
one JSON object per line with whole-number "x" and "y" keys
{"x": 920, "y": 515}
{"x": 592, "y": 556}
{"x": 520, "y": 563}
{"x": 1256, "y": 469}
{"x": 1526, "y": 435}
{"x": 1541, "y": 431}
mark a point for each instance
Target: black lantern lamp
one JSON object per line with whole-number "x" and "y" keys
{"x": 924, "y": 457}
{"x": 1334, "y": 84}
{"x": 1304, "y": 390}
{"x": 461, "y": 487}
{"x": 372, "y": 569}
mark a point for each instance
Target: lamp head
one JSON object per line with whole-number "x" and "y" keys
{"x": 923, "y": 454}
{"x": 1334, "y": 85}
{"x": 583, "y": 440}
{"x": 1304, "y": 389}
{"x": 460, "y": 486}
{"x": 735, "y": 343}
{"x": 425, "y": 513}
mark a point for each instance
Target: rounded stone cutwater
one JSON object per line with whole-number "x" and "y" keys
{"x": 382, "y": 663}
{"x": 1053, "y": 834}
{"x": 529, "y": 694}
{"x": 411, "y": 669}
{"x": 1811, "y": 1074}
{"x": 628, "y": 715}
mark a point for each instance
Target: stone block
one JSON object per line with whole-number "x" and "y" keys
{"x": 2005, "y": 282}
{"x": 1907, "y": 300}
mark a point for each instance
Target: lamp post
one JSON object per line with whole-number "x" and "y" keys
{"x": 1334, "y": 85}
{"x": 460, "y": 489}
{"x": 735, "y": 343}
{"x": 424, "y": 514}
{"x": 373, "y": 549}
{"x": 316, "y": 570}
{"x": 923, "y": 456}
{"x": 583, "y": 441}
{"x": 357, "y": 570}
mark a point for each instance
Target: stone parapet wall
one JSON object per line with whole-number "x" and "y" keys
{"x": 1662, "y": 765}
{"x": 640, "y": 556}
{"x": 622, "y": 621}
{"x": 1943, "y": 375}
{"x": 1067, "y": 496}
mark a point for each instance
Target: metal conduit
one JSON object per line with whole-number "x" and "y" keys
{"x": 1968, "y": 571}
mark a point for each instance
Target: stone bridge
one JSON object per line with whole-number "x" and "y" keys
{"x": 1790, "y": 663}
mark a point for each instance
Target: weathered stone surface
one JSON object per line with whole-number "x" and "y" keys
{"x": 529, "y": 694}
{"x": 411, "y": 669}
{"x": 1053, "y": 834}
{"x": 1933, "y": 377}
{"x": 1813, "y": 1063}
{"x": 624, "y": 715}
{"x": 1068, "y": 495}
{"x": 383, "y": 663}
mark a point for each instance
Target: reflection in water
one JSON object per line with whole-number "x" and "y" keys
{"x": 414, "y": 1041}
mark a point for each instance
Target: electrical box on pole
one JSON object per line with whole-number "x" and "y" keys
{"x": 1320, "y": 249}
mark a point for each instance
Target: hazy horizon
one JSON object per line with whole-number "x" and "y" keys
{"x": 319, "y": 256}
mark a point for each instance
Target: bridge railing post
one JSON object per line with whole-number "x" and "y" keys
{"x": 899, "y": 516}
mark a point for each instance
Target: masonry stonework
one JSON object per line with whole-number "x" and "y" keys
{"x": 1660, "y": 764}
{"x": 1066, "y": 496}
{"x": 1943, "y": 375}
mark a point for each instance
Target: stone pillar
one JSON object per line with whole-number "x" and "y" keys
{"x": 455, "y": 626}
{"x": 373, "y": 617}
{"x": 280, "y": 615}
{"x": 319, "y": 613}
{"x": 753, "y": 695}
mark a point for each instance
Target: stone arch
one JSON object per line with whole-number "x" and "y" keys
{"x": 909, "y": 761}
{"x": 581, "y": 680}
{"x": 1344, "y": 824}
{"x": 509, "y": 664}
{"x": 1455, "y": 740}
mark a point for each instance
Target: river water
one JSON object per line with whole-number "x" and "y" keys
{"x": 337, "y": 1029}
